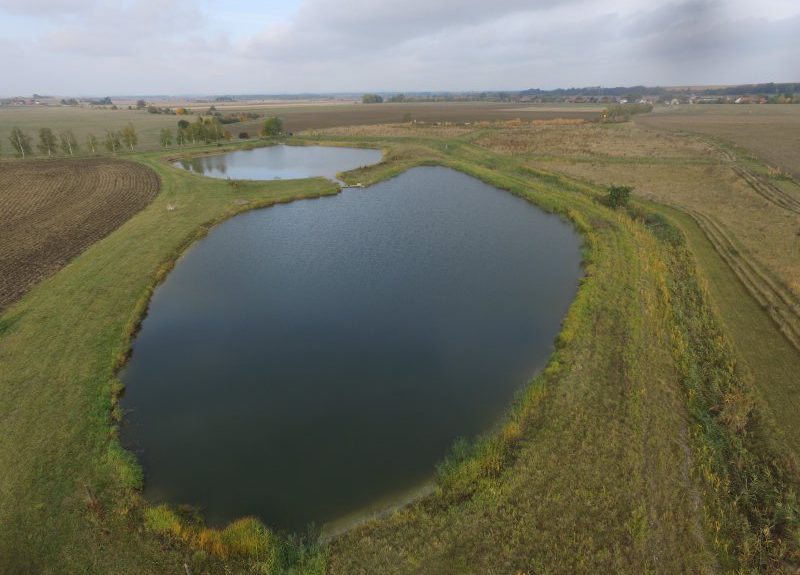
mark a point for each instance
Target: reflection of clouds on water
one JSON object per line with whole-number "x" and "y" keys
{"x": 281, "y": 162}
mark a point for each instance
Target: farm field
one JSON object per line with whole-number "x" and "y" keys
{"x": 52, "y": 210}
{"x": 296, "y": 117}
{"x": 771, "y": 133}
{"x": 82, "y": 121}
{"x": 638, "y": 449}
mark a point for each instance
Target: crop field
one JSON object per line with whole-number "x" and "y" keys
{"x": 660, "y": 438}
{"x": 82, "y": 121}
{"x": 296, "y": 117}
{"x": 52, "y": 210}
{"x": 299, "y": 119}
{"x": 768, "y": 132}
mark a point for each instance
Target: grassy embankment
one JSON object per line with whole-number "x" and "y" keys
{"x": 637, "y": 449}
{"x": 737, "y": 212}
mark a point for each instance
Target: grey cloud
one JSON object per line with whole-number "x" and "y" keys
{"x": 338, "y": 26}
{"x": 702, "y": 37}
{"x": 129, "y": 30}
{"x": 353, "y": 45}
{"x": 45, "y": 7}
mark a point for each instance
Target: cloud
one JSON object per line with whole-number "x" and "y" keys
{"x": 146, "y": 46}
{"x": 49, "y": 8}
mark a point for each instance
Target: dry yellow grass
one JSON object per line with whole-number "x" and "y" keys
{"x": 771, "y": 133}
{"x": 767, "y": 232}
{"x": 672, "y": 168}
{"x": 584, "y": 140}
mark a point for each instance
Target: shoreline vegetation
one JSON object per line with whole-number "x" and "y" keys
{"x": 643, "y": 445}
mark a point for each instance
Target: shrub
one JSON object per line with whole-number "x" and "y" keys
{"x": 618, "y": 196}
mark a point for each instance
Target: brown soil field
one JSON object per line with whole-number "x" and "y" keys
{"x": 769, "y": 132}
{"x": 301, "y": 118}
{"x": 52, "y": 210}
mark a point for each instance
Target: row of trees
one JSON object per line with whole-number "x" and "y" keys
{"x": 48, "y": 142}
{"x": 206, "y": 129}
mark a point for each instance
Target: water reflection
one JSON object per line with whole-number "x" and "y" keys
{"x": 281, "y": 162}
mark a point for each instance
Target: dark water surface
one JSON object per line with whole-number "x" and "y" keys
{"x": 281, "y": 162}
{"x": 307, "y": 360}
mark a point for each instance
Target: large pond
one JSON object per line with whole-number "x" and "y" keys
{"x": 308, "y": 360}
{"x": 281, "y": 162}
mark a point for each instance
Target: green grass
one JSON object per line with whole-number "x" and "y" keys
{"x": 772, "y": 362}
{"x": 636, "y": 450}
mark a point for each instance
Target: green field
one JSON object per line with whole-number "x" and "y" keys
{"x": 645, "y": 446}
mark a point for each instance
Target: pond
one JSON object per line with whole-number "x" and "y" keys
{"x": 305, "y": 361}
{"x": 281, "y": 162}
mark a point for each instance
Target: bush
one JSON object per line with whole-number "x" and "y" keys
{"x": 618, "y": 196}
{"x": 243, "y": 135}
{"x": 273, "y": 126}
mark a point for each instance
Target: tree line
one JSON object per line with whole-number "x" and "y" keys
{"x": 49, "y": 143}
{"x": 205, "y": 130}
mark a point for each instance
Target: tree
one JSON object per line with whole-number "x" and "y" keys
{"x": 140, "y": 104}
{"x": 112, "y": 141}
{"x": 166, "y": 137}
{"x": 129, "y": 137}
{"x": 20, "y": 141}
{"x": 91, "y": 142}
{"x": 213, "y": 129}
{"x": 180, "y": 137}
{"x": 618, "y": 196}
{"x": 197, "y": 131}
{"x": 371, "y": 99}
{"x": 273, "y": 126}
{"x": 47, "y": 141}
{"x": 68, "y": 142}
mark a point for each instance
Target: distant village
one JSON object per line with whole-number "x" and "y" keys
{"x": 771, "y": 93}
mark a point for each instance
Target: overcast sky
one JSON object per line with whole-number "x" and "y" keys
{"x": 93, "y": 47}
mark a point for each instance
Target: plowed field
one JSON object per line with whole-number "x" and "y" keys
{"x": 52, "y": 210}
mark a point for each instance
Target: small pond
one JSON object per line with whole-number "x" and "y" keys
{"x": 281, "y": 162}
{"x": 308, "y": 360}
